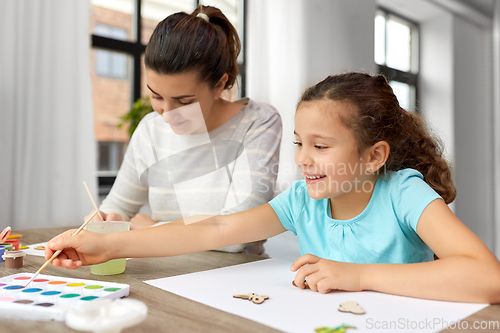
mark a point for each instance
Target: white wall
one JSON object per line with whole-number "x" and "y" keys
{"x": 496, "y": 122}
{"x": 473, "y": 128}
{"x": 275, "y": 70}
{"x": 339, "y": 37}
{"x": 437, "y": 78}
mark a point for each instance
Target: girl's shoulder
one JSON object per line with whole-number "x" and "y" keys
{"x": 407, "y": 183}
{"x": 403, "y": 175}
{"x": 296, "y": 192}
{"x": 290, "y": 203}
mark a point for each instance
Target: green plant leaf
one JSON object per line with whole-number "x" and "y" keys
{"x": 140, "y": 108}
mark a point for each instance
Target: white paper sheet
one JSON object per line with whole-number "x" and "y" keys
{"x": 34, "y": 252}
{"x": 291, "y": 309}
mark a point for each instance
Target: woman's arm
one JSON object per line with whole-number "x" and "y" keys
{"x": 176, "y": 238}
{"x": 467, "y": 271}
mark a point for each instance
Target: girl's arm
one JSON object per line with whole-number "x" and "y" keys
{"x": 176, "y": 238}
{"x": 467, "y": 271}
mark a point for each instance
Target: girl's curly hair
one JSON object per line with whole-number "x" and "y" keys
{"x": 381, "y": 118}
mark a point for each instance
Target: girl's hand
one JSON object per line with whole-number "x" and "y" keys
{"x": 86, "y": 248}
{"x": 140, "y": 221}
{"x": 325, "y": 275}
{"x": 105, "y": 217}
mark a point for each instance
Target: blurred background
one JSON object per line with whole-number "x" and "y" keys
{"x": 70, "y": 70}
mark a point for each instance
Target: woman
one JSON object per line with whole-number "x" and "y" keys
{"x": 190, "y": 61}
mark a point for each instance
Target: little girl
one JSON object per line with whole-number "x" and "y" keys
{"x": 370, "y": 213}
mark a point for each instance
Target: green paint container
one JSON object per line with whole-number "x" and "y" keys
{"x": 8, "y": 246}
{"x": 115, "y": 266}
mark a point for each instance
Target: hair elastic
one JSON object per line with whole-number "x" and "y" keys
{"x": 203, "y": 16}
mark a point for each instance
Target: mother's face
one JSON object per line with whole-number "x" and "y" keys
{"x": 175, "y": 98}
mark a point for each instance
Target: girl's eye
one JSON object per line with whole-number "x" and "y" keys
{"x": 320, "y": 147}
{"x": 297, "y": 143}
{"x": 185, "y": 103}
{"x": 156, "y": 97}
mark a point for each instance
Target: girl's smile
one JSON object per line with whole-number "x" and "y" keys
{"x": 313, "y": 178}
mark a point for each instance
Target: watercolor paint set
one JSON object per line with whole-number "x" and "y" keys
{"x": 50, "y": 297}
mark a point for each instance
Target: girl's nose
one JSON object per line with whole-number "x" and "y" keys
{"x": 302, "y": 157}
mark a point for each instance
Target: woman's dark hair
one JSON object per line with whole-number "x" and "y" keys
{"x": 186, "y": 42}
{"x": 381, "y": 118}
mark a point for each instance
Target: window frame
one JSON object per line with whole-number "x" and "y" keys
{"x": 393, "y": 74}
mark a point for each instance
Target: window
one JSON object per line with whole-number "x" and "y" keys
{"x": 109, "y": 63}
{"x": 396, "y": 53}
{"x": 121, "y": 30}
{"x": 110, "y": 155}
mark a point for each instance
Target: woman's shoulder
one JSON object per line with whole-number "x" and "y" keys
{"x": 260, "y": 111}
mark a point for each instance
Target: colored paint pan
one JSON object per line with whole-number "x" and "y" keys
{"x": 92, "y": 290}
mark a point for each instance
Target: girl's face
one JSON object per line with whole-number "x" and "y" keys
{"x": 327, "y": 154}
{"x": 171, "y": 92}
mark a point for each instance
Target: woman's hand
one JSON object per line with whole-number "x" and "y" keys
{"x": 325, "y": 275}
{"x": 140, "y": 221}
{"x": 105, "y": 217}
{"x": 86, "y": 248}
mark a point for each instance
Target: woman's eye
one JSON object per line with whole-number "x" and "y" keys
{"x": 297, "y": 143}
{"x": 156, "y": 97}
{"x": 185, "y": 102}
{"x": 320, "y": 147}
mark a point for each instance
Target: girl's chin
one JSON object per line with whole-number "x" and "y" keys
{"x": 316, "y": 195}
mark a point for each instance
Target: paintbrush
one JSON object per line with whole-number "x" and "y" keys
{"x": 59, "y": 251}
{"x": 92, "y": 199}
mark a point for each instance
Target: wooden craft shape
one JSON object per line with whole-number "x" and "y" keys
{"x": 352, "y": 307}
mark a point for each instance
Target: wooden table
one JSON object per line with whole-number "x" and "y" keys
{"x": 167, "y": 312}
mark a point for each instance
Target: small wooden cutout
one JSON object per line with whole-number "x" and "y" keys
{"x": 306, "y": 285}
{"x": 41, "y": 247}
{"x": 245, "y": 296}
{"x": 252, "y": 297}
{"x": 351, "y": 307}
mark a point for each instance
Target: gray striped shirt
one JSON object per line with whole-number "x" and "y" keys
{"x": 244, "y": 181}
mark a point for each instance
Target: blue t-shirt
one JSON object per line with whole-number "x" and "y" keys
{"x": 385, "y": 232}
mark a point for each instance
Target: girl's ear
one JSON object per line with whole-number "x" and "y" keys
{"x": 377, "y": 156}
{"x": 219, "y": 87}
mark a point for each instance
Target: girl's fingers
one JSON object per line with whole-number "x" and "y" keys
{"x": 323, "y": 285}
{"x": 301, "y": 275}
{"x": 56, "y": 262}
{"x": 70, "y": 264}
{"x": 304, "y": 260}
